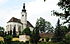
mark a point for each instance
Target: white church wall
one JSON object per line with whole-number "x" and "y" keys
{"x": 12, "y": 26}
{"x": 31, "y": 29}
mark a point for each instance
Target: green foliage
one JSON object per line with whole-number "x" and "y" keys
{"x": 20, "y": 33}
{"x": 35, "y": 36}
{"x": 10, "y": 32}
{"x": 1, "y": 42}
{"x": 14, "y": 32}
{"x": 42, "y": 42}
{"x": 65, "y": 6}
{"x": 1, "y": 31}
{"x": 8, "y": 37}
{"x": 12, "y": 42}
{"x": 17, "y": 42}
{"x": 26, "y": 31}
{"x": 47, "y": 39}
{"x": 55, "y": 43}
{"x": 68, "y": 28}
{"x": 59, "y": 34}
{"x": 40, "y": 24}
{"x": 67, "y": 38}
{"x": 43, "y": 26}
{"x": 51, "y": 43}
{"x": 1, "y": 28}
{"x": 64, "y": 29}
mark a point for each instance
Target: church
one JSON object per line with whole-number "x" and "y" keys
{"x": 19, "y": 24}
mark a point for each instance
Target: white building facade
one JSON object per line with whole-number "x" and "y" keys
{"x": 19, "y": 24}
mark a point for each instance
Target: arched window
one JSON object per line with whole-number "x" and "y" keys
{"x": 19, "y": 28}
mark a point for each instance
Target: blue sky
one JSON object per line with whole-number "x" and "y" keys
{"x": 35, "y": 9}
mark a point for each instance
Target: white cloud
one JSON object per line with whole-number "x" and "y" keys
{"x": 3, "y": 1}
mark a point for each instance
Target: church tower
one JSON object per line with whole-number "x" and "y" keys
{"x": 24, "y": 17}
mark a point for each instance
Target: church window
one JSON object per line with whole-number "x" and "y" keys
{"x": 7, "y": 27}
{"x": 10, "y": 27}
{"x": 19, "y": 28}
{"x": 22, "y": 15}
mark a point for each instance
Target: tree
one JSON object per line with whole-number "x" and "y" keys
{"x": 67, "y": 38}
{"x": 58, "y": 34}
{"x": 68, "y": 28}
{"x": 20, "y": 32}
{"x": 10, "y": 32}
{"x": 64, "y": 28}
{"x": 1, "y": 31}
{"x": 1, "y": 28}
{"x": 65, "y": 6}
{"x": 35, "y": 36}
{"x": 43, "y": 26}
{"x": 8, "y": 38}
{"x": 14, "y": 32}
{"x": 26, "y": 31}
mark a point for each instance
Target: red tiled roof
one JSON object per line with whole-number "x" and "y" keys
{"x": 50, "y": 35}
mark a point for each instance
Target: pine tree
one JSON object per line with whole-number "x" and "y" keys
{"x": 10, "y": 32}
{"x": 14, "y": 32}
{"x": 26, "y": 31}
{"x": 59, "y": 34}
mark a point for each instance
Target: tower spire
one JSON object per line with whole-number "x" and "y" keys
{"x": 24, "y": 17}
{"x": 23, "y": 10}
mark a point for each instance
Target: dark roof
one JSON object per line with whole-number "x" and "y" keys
{"x": 13, "y": 19}
{"x": 29, "y": 24}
